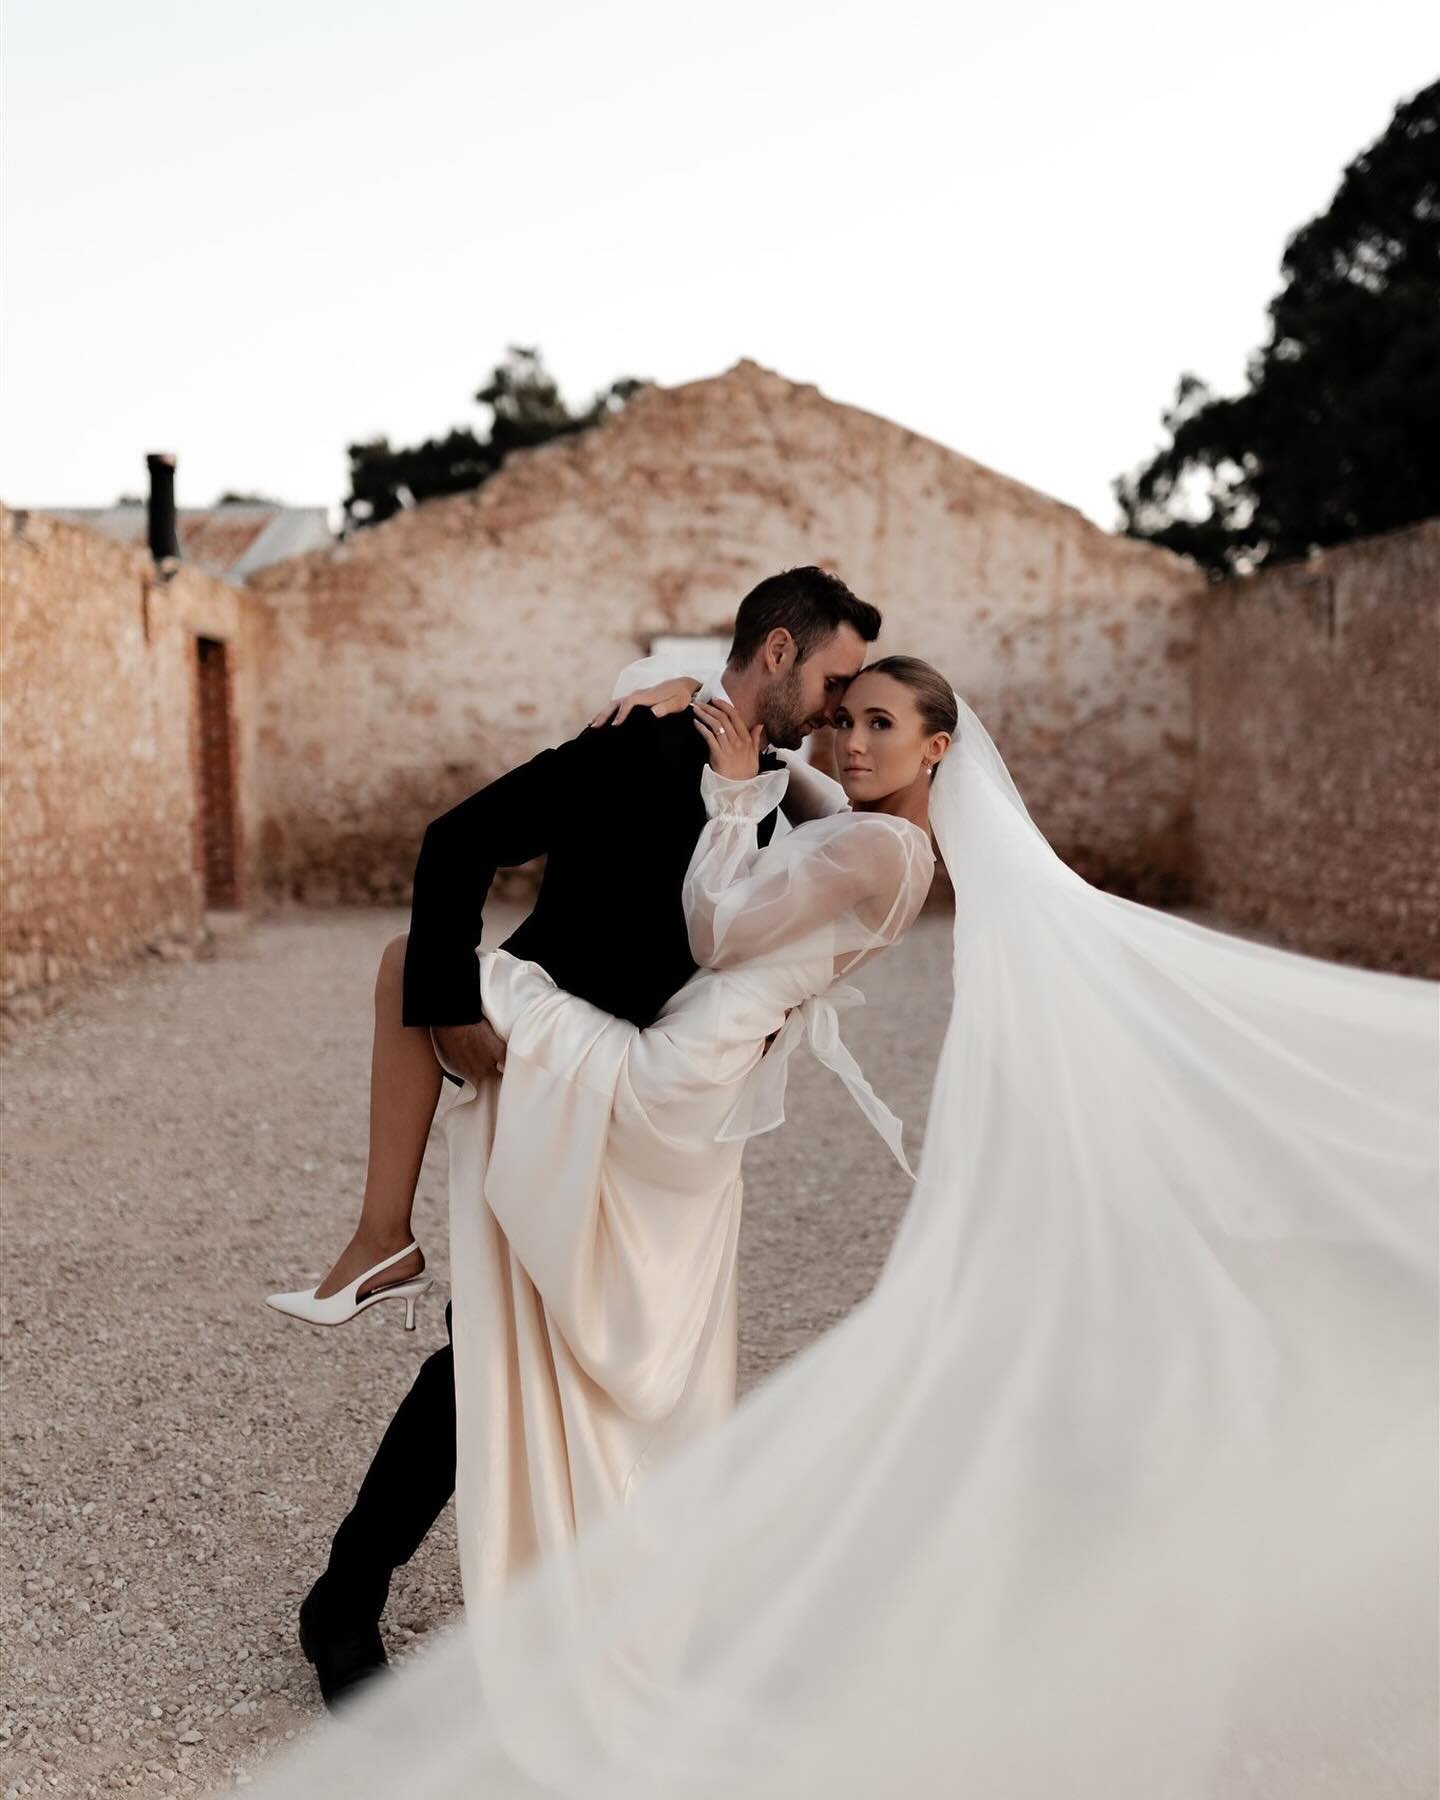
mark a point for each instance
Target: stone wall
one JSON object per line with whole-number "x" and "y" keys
{"x": 100, "y": 822}
{"x": 1317, "y": 806}
{"x": 420, "y": 659}
{"x": 361, "y": 690}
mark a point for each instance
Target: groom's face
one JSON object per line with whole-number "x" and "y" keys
{"x": 804, "y": 695}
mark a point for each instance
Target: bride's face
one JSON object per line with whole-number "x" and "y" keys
{"x": 881, "y": 744}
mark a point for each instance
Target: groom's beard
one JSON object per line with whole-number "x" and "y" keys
{"x": 782, "y": 713}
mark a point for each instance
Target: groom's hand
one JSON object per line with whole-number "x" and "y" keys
{"x": 475, "y": 1051}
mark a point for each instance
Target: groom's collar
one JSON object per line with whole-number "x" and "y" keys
{"x": 714, "y": 689}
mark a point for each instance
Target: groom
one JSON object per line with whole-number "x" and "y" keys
{"x": 616, "y": 813}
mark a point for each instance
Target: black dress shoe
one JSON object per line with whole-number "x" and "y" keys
{"x": 344, "y": 1658}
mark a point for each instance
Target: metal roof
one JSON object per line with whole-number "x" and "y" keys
{"x": 230, "y": 541}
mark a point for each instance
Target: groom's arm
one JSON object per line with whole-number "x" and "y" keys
{"x": 513, "y": 820}
{"x": 507, "y": 823}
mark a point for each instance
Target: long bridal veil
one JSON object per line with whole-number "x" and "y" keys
{"x": 1122, "y": 1481}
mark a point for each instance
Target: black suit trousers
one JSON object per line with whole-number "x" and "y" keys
{"x": 406, "y": 1487}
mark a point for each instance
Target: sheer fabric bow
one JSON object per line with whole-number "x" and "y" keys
{"x": 761, "y": 1105}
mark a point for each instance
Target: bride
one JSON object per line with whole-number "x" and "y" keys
{"x": 1120, "y": 1484}
{"x": 596, "y": 1188}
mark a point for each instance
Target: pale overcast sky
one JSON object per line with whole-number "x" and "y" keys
{"x": 253, "y": 234}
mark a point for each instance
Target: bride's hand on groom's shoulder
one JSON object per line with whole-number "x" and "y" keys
{"x": 475, "y": 1051}
{"x": 734, "y": 745}
{"x": 664, "y": 698}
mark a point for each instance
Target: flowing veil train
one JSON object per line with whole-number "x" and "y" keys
{"x": 1121, "y": 1483}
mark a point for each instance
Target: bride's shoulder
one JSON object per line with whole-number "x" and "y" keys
{"x": 870, "y": 832}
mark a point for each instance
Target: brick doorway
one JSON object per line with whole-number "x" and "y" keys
{"x": 215, "y": 846}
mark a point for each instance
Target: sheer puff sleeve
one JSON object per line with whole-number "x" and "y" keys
{"x": 650, "y": 671}
{"x": 835, "y": 888}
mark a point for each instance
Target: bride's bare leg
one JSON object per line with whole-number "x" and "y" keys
{"x": 405, "y": 1084}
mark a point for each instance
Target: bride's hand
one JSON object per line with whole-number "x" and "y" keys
{"x": 734, "y": 746}
{"x": 665, "y": 697}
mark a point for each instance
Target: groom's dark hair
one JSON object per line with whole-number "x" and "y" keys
{"x": 810, "y": 603}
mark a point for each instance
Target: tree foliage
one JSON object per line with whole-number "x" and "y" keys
{"x": 1337, "y": 434}
{"x": 526, "y": 409}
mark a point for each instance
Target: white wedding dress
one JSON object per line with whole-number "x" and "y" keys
{"x": 1121, "y": 1484}
{"x": 595, "y": 1191}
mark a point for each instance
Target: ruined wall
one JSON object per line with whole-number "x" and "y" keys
{"x": 99, "y": 820}
{"x": 1317, "y": 797}
{"x": 376, "y": 683}
{"x": 420, "y": 659}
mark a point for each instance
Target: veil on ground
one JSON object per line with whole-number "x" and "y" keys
{"x": 1121, "y": 1483}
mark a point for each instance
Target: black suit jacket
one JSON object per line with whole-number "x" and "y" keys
{"x": 616, "y": 812}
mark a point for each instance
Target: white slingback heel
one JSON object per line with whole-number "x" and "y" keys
{"x": 338, "y": 1309}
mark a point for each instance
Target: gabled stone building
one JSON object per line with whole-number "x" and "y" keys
{"x": 179, "y": 743}
{"x": 416, "y": 660}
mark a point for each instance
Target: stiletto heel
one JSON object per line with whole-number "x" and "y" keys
{"x": 340, "y": 1308}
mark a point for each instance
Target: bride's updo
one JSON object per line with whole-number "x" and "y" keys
{"x": 934, "y": 696}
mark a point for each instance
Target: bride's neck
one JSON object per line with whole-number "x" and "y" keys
{"x": 912, "y": 802}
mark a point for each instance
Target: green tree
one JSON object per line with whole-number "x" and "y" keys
{"x": 1337, "y": 434}
{"x": 526, "y": 409}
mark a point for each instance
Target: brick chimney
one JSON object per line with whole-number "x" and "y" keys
{"x": 164, "y": 544}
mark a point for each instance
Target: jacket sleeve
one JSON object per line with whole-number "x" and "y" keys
{"x": 515, "y": 818}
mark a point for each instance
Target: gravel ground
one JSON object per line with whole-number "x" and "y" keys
{"x": 176, "y": 1145}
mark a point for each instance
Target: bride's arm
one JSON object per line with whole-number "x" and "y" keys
{"x": 843, "y": 885}
{"x": 812, "y": 794}
{"x": 664, "y": 683}
{"x": 664, "y": 670}
{"x": 665, "y": 686}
